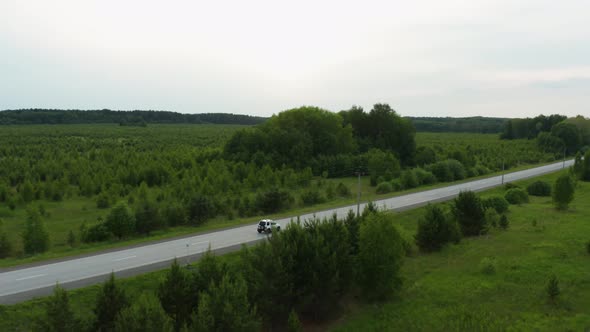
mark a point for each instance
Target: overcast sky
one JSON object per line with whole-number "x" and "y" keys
{"x": 424, "y": 58}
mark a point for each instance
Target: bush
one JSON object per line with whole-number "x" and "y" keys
{"x": 424, "y": 176}
{"x": 35, "y": 235}
{"x": 448, "y": 170}
{"x": 563, "y": 192}
{"x": 409, "y": 180}
{"x": 96, "y": 233}
{"x": 5, "y": 245}
{"x": 384, "y": 188}
{"x": 510, "y": 185}
{"x": 487, "y": 265}
{"x": 342, "y": 190}
{"x": 312, "y": 196}
{"x": 469, "y": 213}
{"x": 408, "y": 240}
{"x": 504, "y": 222}
{"x": 492, "y": 217}
{"x": 498, "y": 203}
{"x": 588, "y": 247}
{"x": 539, "y": 188}
{"x": 552, "y": 288}
{"x": 120, "y": 221}
{"x": 103, "y": 201}
{"x": 435, "y": 229}
{"x": 516, "y": 196}
{"x": 380, "y": 257}
{"x": 272, "y": 201}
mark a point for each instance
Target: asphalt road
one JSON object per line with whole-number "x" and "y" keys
{"x": 19, "y": 284}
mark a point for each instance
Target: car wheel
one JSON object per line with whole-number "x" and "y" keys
{"x": 278, "y": 229}
{"x": 259, "y": 231}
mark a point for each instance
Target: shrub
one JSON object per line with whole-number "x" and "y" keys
{"x": 510, "y": 185}
{"x": 380, "y": 257}
{"x": 424, "y": 176}
{"x": 409, "y": 180}
{"x": 563, "y": 192}
{"x": 103, "y": 201}
{"x": 448, "y": 170}
{"x": 435, "y": 229}
{"x": 492, "y": 217}
{"x": 343, "y": 190}
{"x": 384, "y": 188}
{"x": 120, "y": 221}
{"x": 35, "y": 236}
{"x": 312, "y": 196}
{"x": 498, "y": 203}
{"x": 487, "y": 265}
{"x": 588, "y": 247}
{"x": 516, "y": 196}
{"x": 408, "y": 241}
{"x": 5, "y": 245}
{"x": 273, "y": 200}
{"x": 539, "y": 188}
{"x": 469, "y": 213}
{"x": 504, "y": 222}
{"x": 96, "y": 233}
{"x": 552, "y": 288}
{"x": 457, "y": 169}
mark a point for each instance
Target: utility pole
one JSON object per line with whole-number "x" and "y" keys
{"x": 358, "y": 197}
{"x": 564, "y": 148}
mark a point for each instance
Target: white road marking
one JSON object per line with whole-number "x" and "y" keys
{"x": 31, "y": 277}
{"x": 124, "y": 258}
{"x": 196, "y": 243}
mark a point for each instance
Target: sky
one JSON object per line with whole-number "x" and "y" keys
{"x": 424, "y": 58}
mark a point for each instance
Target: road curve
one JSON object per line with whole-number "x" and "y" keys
{"x": 21, "y": 284}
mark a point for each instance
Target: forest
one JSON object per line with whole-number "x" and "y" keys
{"x": 476, "y": 124}
{"x": 136, "y": 117}
{"x": 97, "y": 183}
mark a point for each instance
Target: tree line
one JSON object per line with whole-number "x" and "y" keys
{"x": 57, "y": 116}
{"x": 554, "y": 133}
{"x": 476, "y": 124}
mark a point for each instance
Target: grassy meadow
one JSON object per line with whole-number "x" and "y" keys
{"x": 454, "y": 290}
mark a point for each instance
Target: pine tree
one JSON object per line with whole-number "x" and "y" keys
{"x": 563, "y": 192}
{"x": 435, "y": 229}
{"x": 293, "y": 323}
{"x": 110, "y": 301}
{"x": 58, "y": 315}
{"x": 225, "y": 307}
{"x": 120, "y": 221}
{"x": 35, "y": 236}
{"x": 5, "y": 245}
{"x": 144, "y": 315}
{"x": 469, "y": 213}
{"x": 380, "y": 257}
{"x": 175, "y": 296}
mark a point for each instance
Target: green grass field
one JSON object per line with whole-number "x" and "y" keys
{"x": 447, "y": 291}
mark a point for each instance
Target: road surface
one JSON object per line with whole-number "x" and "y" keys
{"x": 19, "y": 284}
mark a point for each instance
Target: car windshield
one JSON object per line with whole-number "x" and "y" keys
{"x": 262, "y": 223}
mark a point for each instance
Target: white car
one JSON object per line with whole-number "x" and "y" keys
{"x": 267, "y": 226}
